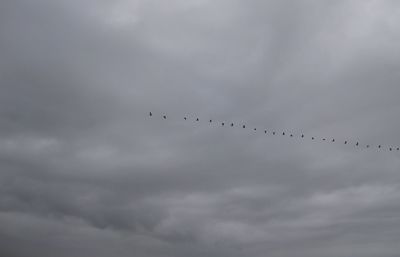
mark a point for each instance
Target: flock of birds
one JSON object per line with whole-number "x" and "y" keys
{"x": 346, "y": 142}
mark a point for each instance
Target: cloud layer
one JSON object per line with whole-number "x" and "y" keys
{"x": 85, "y": 172}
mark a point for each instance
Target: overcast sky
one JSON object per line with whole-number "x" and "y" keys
{"x": 84, "y": 170}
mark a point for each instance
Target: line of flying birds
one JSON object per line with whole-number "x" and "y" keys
{"x": 291, "y": 135}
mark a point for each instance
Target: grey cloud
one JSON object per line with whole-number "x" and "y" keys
{"x": 85, "y": 172}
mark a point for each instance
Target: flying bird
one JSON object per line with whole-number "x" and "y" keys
{"x": 291, "y": 135}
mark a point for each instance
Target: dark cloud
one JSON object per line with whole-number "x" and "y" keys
{"x": 86, "y": 172}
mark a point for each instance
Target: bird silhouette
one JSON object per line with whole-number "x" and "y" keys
{"x": 292, "y": 135}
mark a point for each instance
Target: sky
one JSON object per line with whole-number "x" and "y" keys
{"x": 85, "y": 171}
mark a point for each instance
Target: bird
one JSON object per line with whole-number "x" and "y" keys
{"x": 184, "y": 118}
{"x": 231, "y": 124}
{"x": 197, "y": 119}
{"x": 283, "y": 133}
{"x": 244, "y": 126}
{"x": 398, "y": 149}
{"x": 255, "y": 129}
{"x": 273, "y": 133}
{"x": 151, "y": 114}
{"x": 390, "y": 149}
{"x": 345, "y": 142}
{"x": 223, "y": 123}
{"x": 367, "y": 146}
{"x": 379, "y": 146}
{"x": 165, "y": 117}
{"x": 333, "y": 140}
{"x": 323, "y": 139}
{"x": 210, "y": 121}
{"x": 265, "y": 131}
{"x": 291, "y": 135}
{"x": 312, "y": 138}
{"x": 357, "y": 144}
{"x": 302, "y": 135}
